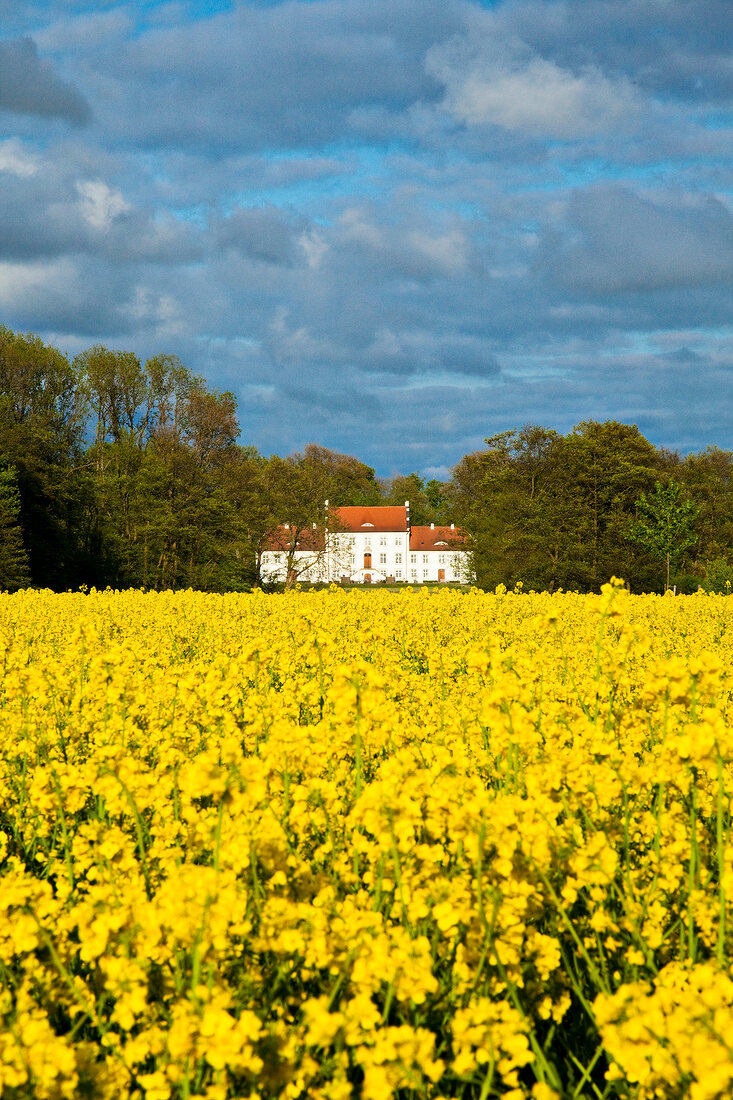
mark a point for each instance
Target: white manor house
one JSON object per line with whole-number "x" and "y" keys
{"x": 367, "y": 545}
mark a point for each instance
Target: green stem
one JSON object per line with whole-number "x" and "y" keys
{"x": 720, "y": 840}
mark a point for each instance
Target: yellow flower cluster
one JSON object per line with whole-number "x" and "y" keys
{"x": 329, "y": 845}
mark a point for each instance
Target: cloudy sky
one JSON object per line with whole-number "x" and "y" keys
{"x": 393, "y": 227}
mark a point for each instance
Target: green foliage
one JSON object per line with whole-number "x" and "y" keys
{"x": 430, "y": 502}
{"x": 347, "y": 480}
{"x": 125, "y": 473}
{"x": 14, "y": 571}
{"x": 552, "y": 511}
{"x": 608, "y": 465}
{"x": 665, "y": 524}
{"x": 438, "y": 498}
{"x": 708, "y": 480}
{"x": 41, "y": 436}
{"x": 719, "y": 576}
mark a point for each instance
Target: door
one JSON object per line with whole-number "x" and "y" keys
{"x": 368, "y": 560}
{"x": 367, "y": 578}
{"x": 441, "y": 574}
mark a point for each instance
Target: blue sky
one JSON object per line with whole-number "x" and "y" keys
{"x": 392, "y": 227}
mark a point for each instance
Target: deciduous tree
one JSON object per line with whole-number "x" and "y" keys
{"x": 41, "y": 436}
{"x": 14, "y": 570}
{"x": 665, "y": 524}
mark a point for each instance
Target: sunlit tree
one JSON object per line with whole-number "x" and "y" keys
{"x": 665, "y": 524}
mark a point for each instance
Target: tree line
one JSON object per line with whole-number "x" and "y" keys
{"x": 121, "y": 473}
{"x": 569, "y": 511}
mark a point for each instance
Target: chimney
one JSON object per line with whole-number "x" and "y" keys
{"x": 432, "y": 526}
{"x": 452, "y": 526}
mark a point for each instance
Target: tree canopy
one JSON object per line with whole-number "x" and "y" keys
{"x": 119, "y": 472}
{"x": 665, "y": 523}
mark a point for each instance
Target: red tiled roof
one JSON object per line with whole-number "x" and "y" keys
{"x": 377, "y": 518}
{"x": 436, "y": 538}
{"x": 308, "y": 538}
{"x": 373, "y": 518}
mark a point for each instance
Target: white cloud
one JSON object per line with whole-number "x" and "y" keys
{"x": 100, "y": 204}
{"x": 20, "y": 281}
{"x": 16, "y": 160}
{"x": 358, "y": 229}
{"x": 508, "y": 87}
{"x": 446, "y": 251}
{"x": 162, "y": 311}
{"x": 295, "y": 344}
{"x": 315, "y": 248}
{"x": 85, "y": 31}
{"x": 421, "y": 251}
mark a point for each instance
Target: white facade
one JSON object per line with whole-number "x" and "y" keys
{"x": 439, "y": 562}
{"x": 371, "y": 552}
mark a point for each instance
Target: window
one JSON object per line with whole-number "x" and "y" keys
{"x": 398, "y": 559}
{"x": 441, "y": 559}
{"x": 413, "y": 573}
{"x": 367, "y": 540}
{"x": 425, "y": 559}
{"x": 382, "y": 559}
{"x": 352, "y": 559}
{"x": 382, "y": 540}
{"x": 398, "y": 541}
{"x": 413, "y": 559}
{"x": 398, "y": 575}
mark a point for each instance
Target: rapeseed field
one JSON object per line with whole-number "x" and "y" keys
{"x": 330, "y": 845}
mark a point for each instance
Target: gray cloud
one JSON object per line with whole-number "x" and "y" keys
{"x": 30, "y": 86}
{"x": 48, "y": 213}
{"x": 263, "y": 233}
{"x": 613, "y": 240}
{"x": 345, "y": 404}
{"x": 289, "y": 75}
{"x": 427, "y": 352}
{"x": 395, "y": 226}
{"x": 669, "y": 47}
{"x": 87, "y": 299}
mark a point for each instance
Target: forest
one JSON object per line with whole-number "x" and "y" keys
{"x": 123, "y": 474}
